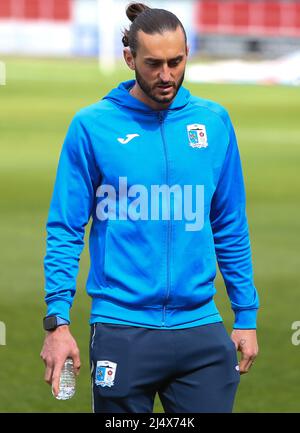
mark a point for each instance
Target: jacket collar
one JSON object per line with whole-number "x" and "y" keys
{"x": 122, "y": 97}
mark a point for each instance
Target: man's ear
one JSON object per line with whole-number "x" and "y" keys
{"x": 187, "y": 50}
{"x": 129, "y": 59}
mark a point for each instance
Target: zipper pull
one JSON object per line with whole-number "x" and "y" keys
{"x": 160, "y": 117}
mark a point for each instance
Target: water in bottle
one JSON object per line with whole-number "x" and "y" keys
{"x": 67, "y": 381}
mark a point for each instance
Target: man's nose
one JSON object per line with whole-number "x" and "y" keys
{"x": 165, "y": 74}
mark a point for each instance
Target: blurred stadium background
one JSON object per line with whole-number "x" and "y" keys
{"x": 61, "y": 55}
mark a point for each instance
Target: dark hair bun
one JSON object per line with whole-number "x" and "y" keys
{"x": 134, "y": 9}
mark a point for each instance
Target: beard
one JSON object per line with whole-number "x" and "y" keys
{"x": 149, "y": 91}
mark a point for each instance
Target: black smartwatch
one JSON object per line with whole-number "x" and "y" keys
{"x": 50, "y": 323}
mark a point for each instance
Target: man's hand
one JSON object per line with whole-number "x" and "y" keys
{"x": 58, "y": 346}
{"x": 245, "y": 341}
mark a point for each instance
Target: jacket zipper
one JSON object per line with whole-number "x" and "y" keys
{"x": 161, "y": 120}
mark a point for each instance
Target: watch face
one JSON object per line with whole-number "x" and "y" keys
{"x": 50, "y": 323}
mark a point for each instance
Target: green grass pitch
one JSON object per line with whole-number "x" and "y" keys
{"x": 36, "y": 106}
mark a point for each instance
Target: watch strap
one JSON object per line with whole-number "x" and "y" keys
{"x": 50, "y": 323}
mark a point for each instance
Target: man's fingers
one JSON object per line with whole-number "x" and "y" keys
{"x": 55, "y": 385}
{"x": 48, "y": 374}
{"x": 245, "y": 364}
{"x": 76, "y": 362}
{"x": 250, "y": 363}
{"x": 246, "y": 342}
{"x": 56, "y": 378}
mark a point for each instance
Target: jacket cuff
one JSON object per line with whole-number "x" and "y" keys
{"x": 245, "y": 319}
{"x": 59, "y": 308}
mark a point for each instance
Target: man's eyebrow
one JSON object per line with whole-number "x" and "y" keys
{"x": 153, "y": 59}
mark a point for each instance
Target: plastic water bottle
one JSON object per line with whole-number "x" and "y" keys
{"x": 67, "y": 381}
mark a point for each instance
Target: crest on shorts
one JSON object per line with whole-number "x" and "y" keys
{"x": 197, "y": 135}
{"x": 105, "y": 373}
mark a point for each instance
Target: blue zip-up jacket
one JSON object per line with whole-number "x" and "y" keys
{"x": 150, "y": 269}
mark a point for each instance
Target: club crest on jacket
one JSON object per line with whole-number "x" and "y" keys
{"x": 197, "y": 135}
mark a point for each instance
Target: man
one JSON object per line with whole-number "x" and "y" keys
{"x": 159, "y": 172}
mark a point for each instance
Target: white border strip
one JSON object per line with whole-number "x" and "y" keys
{"x": 2, "y": 74}
{"x": 2, "y": 334}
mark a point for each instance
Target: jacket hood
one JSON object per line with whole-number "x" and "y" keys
{"x": 121, "y": 96}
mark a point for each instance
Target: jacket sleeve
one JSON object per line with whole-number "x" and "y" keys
{"x": 70, "y": 210}
{"x": 231, "y": 237}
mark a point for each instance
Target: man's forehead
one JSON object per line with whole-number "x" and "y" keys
{"x": 160, "y": 45}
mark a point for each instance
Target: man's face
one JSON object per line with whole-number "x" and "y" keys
{"x": 159, "y": 66}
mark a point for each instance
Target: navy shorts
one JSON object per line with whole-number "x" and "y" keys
{"x": 193, "y": 370}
